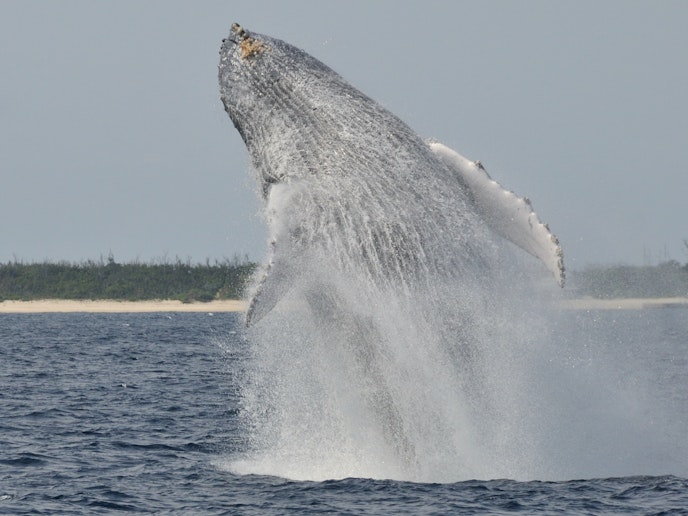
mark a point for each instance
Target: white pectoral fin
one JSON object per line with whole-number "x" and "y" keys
{"x": 508, "y": 215}
{"x": 271, "y": 286}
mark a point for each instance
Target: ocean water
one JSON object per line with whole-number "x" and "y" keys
{"x": 102, "y": 413}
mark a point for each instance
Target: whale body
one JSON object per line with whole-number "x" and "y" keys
{"x": 351, "y": 188}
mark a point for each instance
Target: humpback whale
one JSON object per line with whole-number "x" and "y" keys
{"x": 392, "y": 261}
{"x": 348, "y": 184}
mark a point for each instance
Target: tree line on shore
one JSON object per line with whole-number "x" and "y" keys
{"x": 107, "y": 279}
{"x": 227, "y": 279}
{"x": 668, "y": 279}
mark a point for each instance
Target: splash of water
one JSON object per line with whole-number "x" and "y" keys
{"x": 354, "y": 374}
{"x": 406, "y": 391}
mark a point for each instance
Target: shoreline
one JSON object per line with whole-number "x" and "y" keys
{"x": 234, "y": 305}
{"x": 630, "y": 303}
{"x": 114, "y": 306}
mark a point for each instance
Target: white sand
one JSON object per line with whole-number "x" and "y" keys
{"x": 230, "y": 305}
{"x": 624, "y": 304}
{"x": 110, "y": 306}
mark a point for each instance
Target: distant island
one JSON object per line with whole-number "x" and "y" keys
{"x": 227, "y": 279}
{"x": 666, "y": 280}
{"x": 107, "y": 279}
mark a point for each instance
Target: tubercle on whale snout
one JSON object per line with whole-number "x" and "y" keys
{"x": 248, "y": 46}
{"x": 239, "y": 31}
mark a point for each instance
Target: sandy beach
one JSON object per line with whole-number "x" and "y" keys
{"x": 231, "y": 305}
{"x": 111, "y": 306}
{"x": 625, "y": 303}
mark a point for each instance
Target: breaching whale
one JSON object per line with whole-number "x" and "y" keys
{"x": 346, "y": 181}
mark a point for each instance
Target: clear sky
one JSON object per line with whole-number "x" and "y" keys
{"x": 113, "y": 137}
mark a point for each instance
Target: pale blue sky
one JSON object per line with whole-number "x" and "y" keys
{"x": 113, "y": 138}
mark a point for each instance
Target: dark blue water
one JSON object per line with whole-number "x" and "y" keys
{"x": 101, "y": 413}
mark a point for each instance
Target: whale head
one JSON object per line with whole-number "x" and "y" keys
{"x": 249, "y": 65}
{"x": 266, "y": 86}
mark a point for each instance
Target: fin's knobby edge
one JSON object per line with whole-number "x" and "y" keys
{"x": 510, "y": 216}
{"x": 263, "y": 302}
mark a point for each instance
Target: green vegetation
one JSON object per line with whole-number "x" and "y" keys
{"x": 107, "y": 279}
{"x": 669, "y": 279}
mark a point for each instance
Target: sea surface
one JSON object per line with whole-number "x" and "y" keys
{"x": 107, "y": 413}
